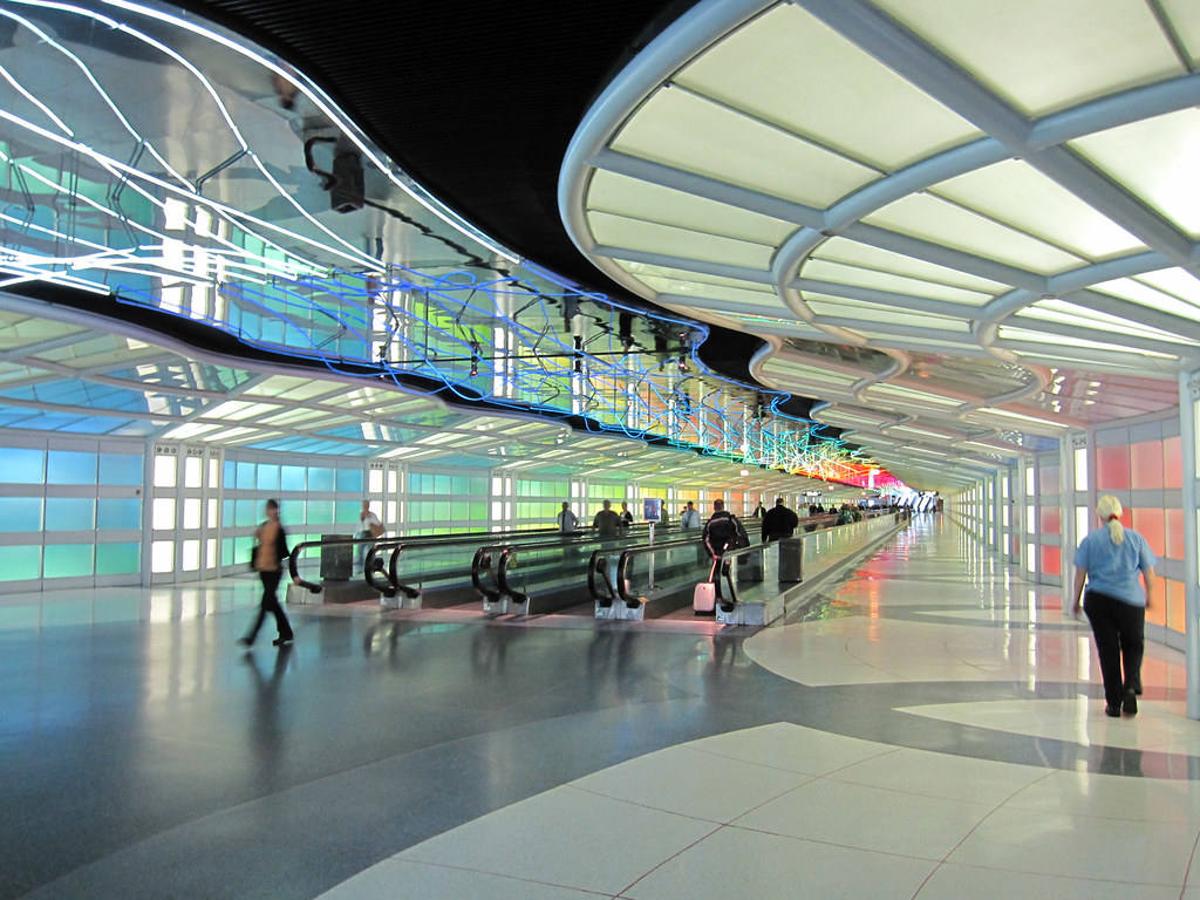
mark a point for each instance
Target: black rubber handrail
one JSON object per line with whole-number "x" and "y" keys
{"x": 633, "y": 601}
{"x": 508, "y": 558}
{"x": 483, "y": 562}
{"x": 598, "y": 564}
{"x": 297, "y": 550}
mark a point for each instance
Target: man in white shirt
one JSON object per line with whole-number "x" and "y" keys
{"x": 567, "y": 523}
{"x": 369, "y": 526}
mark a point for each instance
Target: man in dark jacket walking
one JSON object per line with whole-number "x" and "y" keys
{"x": 779, "y": 522}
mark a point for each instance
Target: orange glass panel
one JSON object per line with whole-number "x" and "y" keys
{"x": 1112, "y": 468}
{"x": 1172, "y": 463}
{"x": 1051, "y": 560}
{"x": 1157, "y": 612}
{"x": 1048, "y": 480}
{"x": 1151, "y": 524}
{"x": 1147, "y": 463}
{"x": 1176, "y": 606}
{"x": 1050, "y": 520}
{"x": 1174, "y": 534}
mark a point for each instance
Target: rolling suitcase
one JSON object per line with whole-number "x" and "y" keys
{"x": 704, "y": 598}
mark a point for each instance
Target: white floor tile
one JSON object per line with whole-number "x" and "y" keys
{"x": 734, "y": 863}
{"x": 954, "y": 882}
{"x": 791, "y": 747}
{"x": 1113, "y": 796}
{"x": 565, "y": 836}
{"x": 397, "y": 879}
{"x": 1080, "y": 847}
{"x": 942, "y": 775}
{"x": 692, "y": 783}
{"x": 1158, "y": 726}
{"x": 870, "y": 818}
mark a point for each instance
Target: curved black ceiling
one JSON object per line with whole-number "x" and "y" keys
{"x": 477, "y": 100}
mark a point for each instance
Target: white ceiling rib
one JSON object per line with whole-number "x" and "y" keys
{"x": 992, "y": 226}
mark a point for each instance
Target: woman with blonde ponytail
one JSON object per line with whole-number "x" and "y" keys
{"x": 1109, "y": 560}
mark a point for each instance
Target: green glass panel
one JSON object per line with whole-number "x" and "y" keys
{"x": 247, "y": 513}
{"x": 346, "y": 512}
{"x": 320, "y": 478}
{"x": 122, "y": 558}
{"x": 20, "y": 563}
{"x": 320, "y": 512}
{"x": 227, "y": 558}
{"x": 68, "y": 560}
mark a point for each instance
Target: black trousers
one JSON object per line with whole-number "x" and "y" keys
{"x": 1118, "y": 628}
{"x": 270, "y": 604}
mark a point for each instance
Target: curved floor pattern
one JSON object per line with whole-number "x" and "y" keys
{"x": 934, "y": 729}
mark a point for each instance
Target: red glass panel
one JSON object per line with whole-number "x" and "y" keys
{"x": 1172, "y": 463}
{"x": 1147, "y": 465}
{"x": 1151, "y": 524}
{"x": 1174, "y": 534}
{"x": 1112, "y": 468}
{"x": 1051, "y": 560}
{"x": 1050, "y": 520}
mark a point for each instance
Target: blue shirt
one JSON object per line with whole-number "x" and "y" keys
{"x": 1112, "y": 569}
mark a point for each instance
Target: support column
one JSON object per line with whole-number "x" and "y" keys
{"x": 1189, "y": 392}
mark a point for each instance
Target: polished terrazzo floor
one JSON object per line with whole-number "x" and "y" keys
{"x": 933, "y": 728}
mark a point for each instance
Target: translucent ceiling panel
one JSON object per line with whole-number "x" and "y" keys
{"x": 1015, "y": 192}
{"x": 1135, "y": 291}
{"x": 1175, "y": 281}
{"x": 840, "y": 273}
{"x": 21, "y": 331}
{"x": 896, "y": 394}
{"x": 679, "y": 129}
{"x": 1042, "y": 56}
{"x": 943, "y": 222}
{"x": 784, "y": 372}
{"x": 826, "y": 305}
{"x": 635, "y": 234}
{"x": 610, "y": 192}
{"x": 789, "y": 67}
{"x": 1007, "y": 332}
{"x": 1054, "y": 310}
{"x": 1184, "y": 16}
{"x": 865, "y": 256}
{"x": 1156, "y": 160}
{"x": 768, "y": 300}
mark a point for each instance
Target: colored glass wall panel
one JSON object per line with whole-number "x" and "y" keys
{"x": 23, "y": 466}
{"x": 1156, "y": 613}
{"x": 68, "y": 560}
{"x": 1051, "y": 560}
{"x": 1146, "y": 461}
{"x": 20, "y": 563}
{"x": 1050, "y": 520}
{"x": 1176, "y": 606}
{"x": 1172, "y": 463}
{"x": 1151, "y": 524}
{"x": 120, "y": 558}
{"x": 1112, "y": 468}
{"x": 21, "y": 514}
{"x": 1175, "y": 537}
{"x": 1048, "y": 480}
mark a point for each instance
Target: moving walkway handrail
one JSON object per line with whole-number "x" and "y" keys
{"x": 623, "y": 581}
{"x": 298, "y": 549}
{"x": 508, "y": 558}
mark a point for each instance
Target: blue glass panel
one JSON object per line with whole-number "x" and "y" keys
{"x": 229, "y": 475}
{"x": 292, "y": 478}
{"x": 350, "y": 481}
{"x": 124, "y": 558}
{"x": 71, "y": 467}
{"x": 70, "y": 514}
{"x": 320, "y": 479}
{"x": 119, "y": 514}
{"x": 346, "y": 512}
{"x": 19, "y": 514}
{"x": 245, "y": 476}
{"x": 228, "y": 518}
{"x": 20, "y": 563}
{"x": 119, "y": 468}
{"x": 268, "y": 477}
{"x": 247, "y": 513}
{"x": 68, "y": 560}
{"x": 227, "y": 558}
